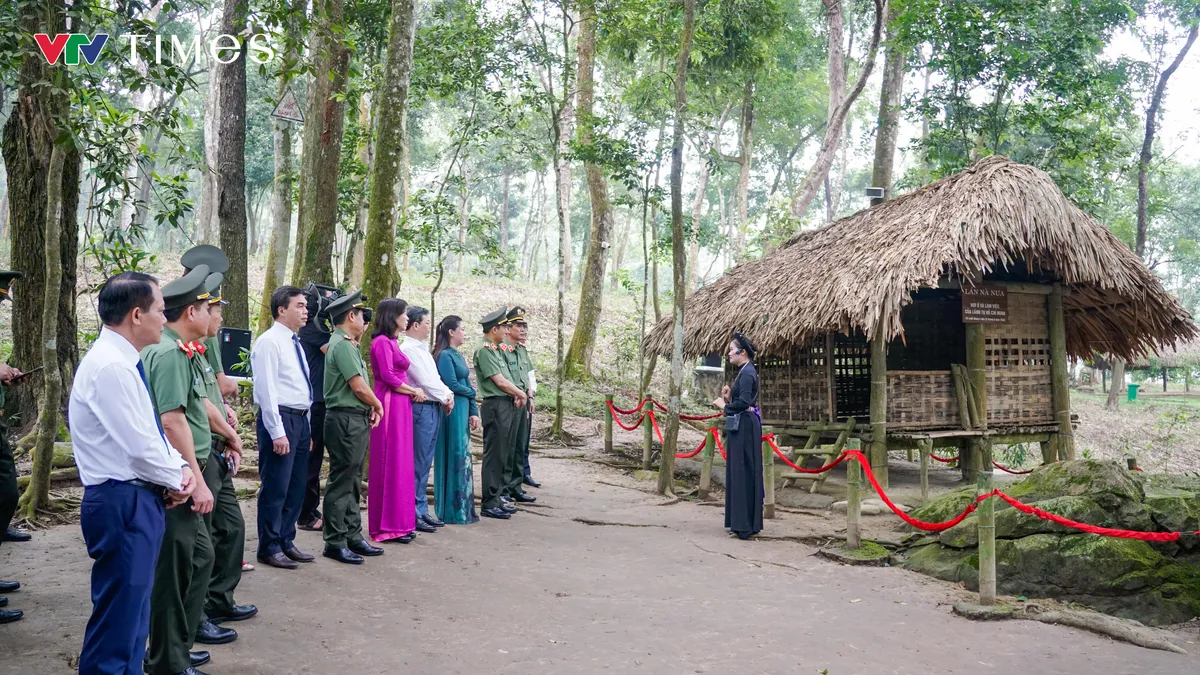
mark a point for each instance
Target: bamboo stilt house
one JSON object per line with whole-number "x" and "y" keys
{"x": 944, "y": 316}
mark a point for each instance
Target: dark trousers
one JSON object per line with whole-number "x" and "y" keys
{"x": 523, "y": 446}
{"x": 499, "y": 417}
{"x": 514, "y": 468}
{"x": 427, "y": 417}
{"x": 283, "y": 478}
{"x": 8, "y": 484}
{"x": 227, "y": 530}
{"x": 312, "y": 489}
{"x": 347, "y": 433}
{"x": 181, "y": 578}
{"x": 123, "y": 527}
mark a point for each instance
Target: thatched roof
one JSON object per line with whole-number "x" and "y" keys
{"x": 1186, "y": 354}
{"x": 859, "y": 271}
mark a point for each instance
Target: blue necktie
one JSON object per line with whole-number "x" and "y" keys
{"x": 157, "y": 420}
{"x": 303, "y": 365}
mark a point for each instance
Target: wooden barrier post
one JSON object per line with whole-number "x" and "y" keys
{"x": 1060, "y": 395}
{"x": 925, "y": 447}
{"x": 647, "y": 435}
{"x": 853, "y": 502}
{"x": 878, "y": 408}
{"x": 608, "y": 423}
{"x": 987, "y": 529}
{"x": 768, "y": 480}
{"x": 977, "y": 375}
{"x": 706, "y": 464}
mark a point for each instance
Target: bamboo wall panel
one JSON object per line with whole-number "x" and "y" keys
{"x": 921, "y": 399}
{"x": 1018, "y": 364}
{"x": 795, "y": 387}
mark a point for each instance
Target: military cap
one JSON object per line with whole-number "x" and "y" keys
{"x": 494, "y": 319}
{"x": 205, "y": 254}
{"x": 338, "y": 308}
{"x": 213, "y": 285}
{"x": 6, "y": 279}
{"x": 515, "y": 315}
{"x": 188, "y": 289}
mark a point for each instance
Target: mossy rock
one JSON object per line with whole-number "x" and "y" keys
{"x": 868, "y": 553}
{"x": 1174, "y": 504}
{"x": 945, "y": 506}
{"x": 1012, "y": 524}
{"x": 1107, "y": 483}
{"x": 948, "y": 564}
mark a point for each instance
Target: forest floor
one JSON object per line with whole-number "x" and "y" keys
{"x": 598, "y": 576}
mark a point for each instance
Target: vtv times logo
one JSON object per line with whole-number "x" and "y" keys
{"x": 222, "y": 49}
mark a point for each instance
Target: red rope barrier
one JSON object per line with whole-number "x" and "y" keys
{"x": 919, "y": 524}
{"x": 770, "y": 439}
{"x": 1007, "y": 470}
{"x": 1084, "y": 527}
{"x": 654, "y": 422}
{"x": 700, "y": 418}
{"x": 720, "y": 446}
{"x": 636, "y": 409}
{"x": 662, "y": 408}
{"x": 944, "y": 460}
{"x": 703, "y": 442}
{"x": 621, "y": 424}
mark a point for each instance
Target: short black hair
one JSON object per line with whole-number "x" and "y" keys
{"x": 176, "y": 314}
{"x": 386, "y": 316}
{"x": 282, "y": 297}
{"x": 122, "y": 293}
{"x": 415, "y": 314}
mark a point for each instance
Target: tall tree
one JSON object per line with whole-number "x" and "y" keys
{"x": 379, "y": 266}
{"x": 578, "y": 362}
{"x": 889, "y": 108}
{"x": 231, "y": 168}
{"x": 666, "y": 464}
{"x": 839, "y": 103}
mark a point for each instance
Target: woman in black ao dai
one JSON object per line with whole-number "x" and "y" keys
{"x": 744, "y": 465}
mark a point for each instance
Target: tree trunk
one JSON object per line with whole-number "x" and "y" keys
{"x": 578, "y": 363}
{"x": 744, "y": 159}
{"x": 504, "y": 212}
{"x": 464, "y": 218}
{"x": 356, "y": 248}
{"x": 207, "y": 226}
{"x": 889, "y": 109}
{"x": 323, "y": 140}
{"x": 37, "y": 494}
{"x": 1118, "y": 384}
{"x": 562, "y": 132}
{"x": 281, "y": 215}
{"x": 619, "y": 260}
{"x": 662, "y": 130}
{"x": 838, "y": 112}
{"x": 1148, "y": 141}
{"x": 231, "y": 167}
{"x": 666, "y": 465}
{"x": 27, "y": 149}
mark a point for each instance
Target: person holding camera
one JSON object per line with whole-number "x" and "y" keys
{"x": 9, "y": 494}
{"x": 283, "y": 393}
{"x": 351, "y": 411}
{"x": 129, "y": 470}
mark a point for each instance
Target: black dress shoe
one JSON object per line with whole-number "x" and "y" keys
{"x": 361, "y": 547}
{"x": 430, "y": 520}
{"x": 238, "y": 613}
{"x": 505, "y": 499}
{"x": 299, "y": 556}
{"x": 425, "y": 527}
{"x": 344, "y": 555}
{"x": 279, "y": 560}
{"x": 9, "y": 586}
{"x": 197, "y": 659}
{"x": 531, "y": 482}
{"x": 16, "y": 535}
{"x": 507, "y": 507}
{"x": 193, "y": 671}
{"x": 406, "y": 539}
{"x": 3, "y": 601}
{"x": 210, "y": 633}
{"x": 496, "y": 512}
{"x": 10, "y": 615}
{"x": 524, "y": 498}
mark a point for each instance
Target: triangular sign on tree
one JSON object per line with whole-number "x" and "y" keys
{"x": 288, "y": 108}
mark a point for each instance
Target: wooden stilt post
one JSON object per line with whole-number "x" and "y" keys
{"x": 647, "y": 436}
{"x": 768, "y": 480}
{"x": 1060, "y": 396}
{"x": 608, "y": 423}
{"x": 977, "y": 374}
{"x": 878, "y": 453}
{"x": 706, "y": 464}
{"x": 1049, "y": 451}
{"x": 853, "y": 497}
{"x": 925, "y": 447}
{"x": 987, "y": 529}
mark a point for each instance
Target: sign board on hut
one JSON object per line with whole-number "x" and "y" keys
{"x": 984, "y": 304}
{"x": 288, "y": 108}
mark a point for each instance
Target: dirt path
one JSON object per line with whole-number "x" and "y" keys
{"x": 643, "y": 588}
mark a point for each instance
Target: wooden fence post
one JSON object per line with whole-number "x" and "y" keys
{"x": 925, "y": 447}
{"x": 706, "y": 464}
{"x": 768, "y": 480}
{"x": 853, "y": 502}
{"x": 1060, "y": 395}
{"x": 647, "y": 435}
{"x": 608, "y": 423}
{"x": 987, "y": 529}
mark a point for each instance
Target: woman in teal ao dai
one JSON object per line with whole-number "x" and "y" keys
{"x": 453, "y": 484}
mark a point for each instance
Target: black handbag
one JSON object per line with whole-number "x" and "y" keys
{"x": 732, "y": 421}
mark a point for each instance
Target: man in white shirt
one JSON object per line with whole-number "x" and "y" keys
{"x": 129, "y": 470}
{"x": 283, "y": 394}
{"x": 427, "y": 416}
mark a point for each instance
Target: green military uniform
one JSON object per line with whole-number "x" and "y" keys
{"x": 498, "y": 413}
{"x": 347, "y": 432}
{"x": 526, "y": 365}
{"x": 185, "y": 561}
{"x": 226, "y": 526}
{"x": 514, "y": 468}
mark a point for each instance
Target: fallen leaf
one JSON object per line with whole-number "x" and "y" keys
{"x": 856, "y": 600}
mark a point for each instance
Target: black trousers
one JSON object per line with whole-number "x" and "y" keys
{"x": 282, "y": 478}
{"x": 8, "y": 484}
{"x": 309, "y": 510}
{"x": 500, "y": 425}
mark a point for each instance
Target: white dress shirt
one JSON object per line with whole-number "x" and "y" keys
{"x": 423, "y": 372}
{"x": 280, "y": 377}
{"x": 114, "y": 426}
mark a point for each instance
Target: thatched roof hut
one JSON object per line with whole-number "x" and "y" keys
{"x": 944, "y": 315}
{"x": 1183, "y": 355}
{"x": 998, "y": 218}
